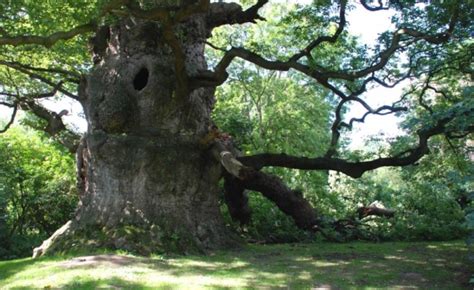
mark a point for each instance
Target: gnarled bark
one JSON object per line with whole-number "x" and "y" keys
{"x": 241, "y": 177}
{"x": 146, "y": 182}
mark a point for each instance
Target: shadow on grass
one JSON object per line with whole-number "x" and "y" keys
{"x": 297, "y": 266}
{"x": 418, "y": 265}
{"x": 111, "y": 283}
{"x": 11, "y": 267}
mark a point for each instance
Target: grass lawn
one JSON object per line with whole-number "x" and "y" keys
{"x": 358, "y": 265}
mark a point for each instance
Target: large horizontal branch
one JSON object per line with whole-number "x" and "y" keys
{"x": 353, "y": 169}
{"x": 50, "y": 40}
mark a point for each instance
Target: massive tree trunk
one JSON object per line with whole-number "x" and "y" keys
{"x": 147, "y": 181}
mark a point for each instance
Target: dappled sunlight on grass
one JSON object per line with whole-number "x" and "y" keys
{"x": 406, "y": 260}
{"x": 352, "y": 265}
{"x": 205, "y": 265}
{"x": 328, "y": 264}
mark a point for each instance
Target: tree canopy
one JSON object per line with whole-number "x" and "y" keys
{"x": 44, "y": 52}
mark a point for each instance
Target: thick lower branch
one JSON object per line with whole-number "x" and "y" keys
{"x": 236, "y": 200}
{"x": 291, "y": 202}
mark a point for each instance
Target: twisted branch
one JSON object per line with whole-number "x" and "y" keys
{"x": 12, "y": 116}
{"x": 48, "y": 41}
{"x": 353, "y": 169}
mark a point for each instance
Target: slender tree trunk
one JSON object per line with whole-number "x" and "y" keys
{"x": 147, "y": 184}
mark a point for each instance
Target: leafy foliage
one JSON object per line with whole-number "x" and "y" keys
{"x": 37, "y": 190}
{"x": 429, "y": 197}
{"x": 43, "y": 18}
{"x": 273, "y": 112}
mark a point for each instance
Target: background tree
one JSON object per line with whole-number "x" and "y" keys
{"x": 150, "y": 162}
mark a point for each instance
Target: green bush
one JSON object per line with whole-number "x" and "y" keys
{"x": 37, "y": 190}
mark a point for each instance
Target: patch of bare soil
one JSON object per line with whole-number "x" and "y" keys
{"x": 100, "y": 260}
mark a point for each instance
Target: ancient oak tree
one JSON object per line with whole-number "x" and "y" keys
{"x": 149, "y": 165}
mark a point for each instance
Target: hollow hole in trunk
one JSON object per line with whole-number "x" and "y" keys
{"x": 141, "y": 79}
